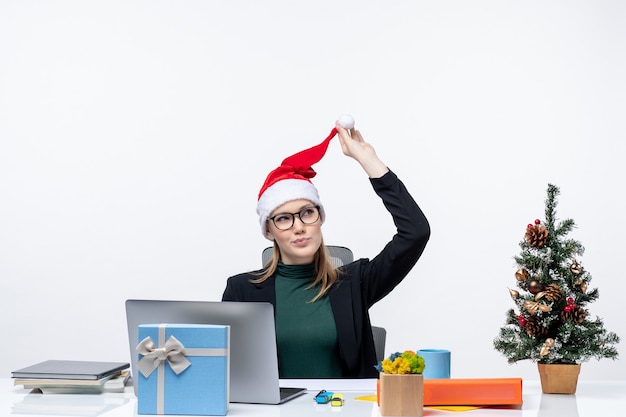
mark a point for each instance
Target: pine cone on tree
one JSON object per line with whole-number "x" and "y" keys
{"x": 552, "y": 292}
{"x": 536, "y": 235}
{"x": 535, "y": 329}
{"x": 576, "y": 314}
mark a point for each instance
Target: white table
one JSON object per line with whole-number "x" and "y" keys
{"x": 592, "y": 399}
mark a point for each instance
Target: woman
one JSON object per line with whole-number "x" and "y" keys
{"x": 323, "y": 327}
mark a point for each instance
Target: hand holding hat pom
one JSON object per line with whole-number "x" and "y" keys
{"x": 346, "y": 121}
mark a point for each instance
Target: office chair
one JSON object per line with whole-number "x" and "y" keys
{"x": 380, "y": 336}
{"x": 340, "y": 255}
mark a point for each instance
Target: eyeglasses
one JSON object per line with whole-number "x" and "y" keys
{"x": 285, "y": 221}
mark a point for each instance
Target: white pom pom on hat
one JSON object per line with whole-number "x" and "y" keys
{"x": 291, "y": 180}
{"x": 346, "y": 121}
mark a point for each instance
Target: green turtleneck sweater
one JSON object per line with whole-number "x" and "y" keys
{"x": 305, "y": 331}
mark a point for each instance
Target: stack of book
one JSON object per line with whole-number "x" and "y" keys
{"x": 71, "y": 377}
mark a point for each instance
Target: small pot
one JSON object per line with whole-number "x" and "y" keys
{"x": 557, "y": 378}
{"x": 401, "y": 395}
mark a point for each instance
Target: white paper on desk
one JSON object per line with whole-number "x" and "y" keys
{"x": 83, "y": 405}
{"x": 339, "y": 384}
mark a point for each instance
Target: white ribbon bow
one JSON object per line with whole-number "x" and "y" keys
{"x": 172, "y": 351}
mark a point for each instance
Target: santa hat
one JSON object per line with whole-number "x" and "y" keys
{"x": 292, "y": 179}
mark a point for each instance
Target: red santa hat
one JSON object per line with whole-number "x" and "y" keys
{"x": 292, "y": 179}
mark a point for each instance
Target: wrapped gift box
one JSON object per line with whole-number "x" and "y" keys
{"x": 183, "y": 369}
{"x": 473, "y": 391}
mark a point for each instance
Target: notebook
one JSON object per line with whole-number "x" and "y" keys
{"x": 253, "y": 355}
{"x": 67, "y": 369}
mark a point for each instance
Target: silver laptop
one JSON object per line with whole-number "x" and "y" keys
{"x": 253, "y": 355}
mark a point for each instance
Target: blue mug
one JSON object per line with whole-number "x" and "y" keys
{"x": 437, "y": 363}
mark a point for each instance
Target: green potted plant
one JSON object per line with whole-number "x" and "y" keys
{"x": 551, "y": 323}
{"x": 401, "y": 384}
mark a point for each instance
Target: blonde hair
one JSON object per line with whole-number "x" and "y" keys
{"x": 326, "y": 272}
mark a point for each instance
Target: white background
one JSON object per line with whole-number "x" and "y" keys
{"x": 135, "y": 135}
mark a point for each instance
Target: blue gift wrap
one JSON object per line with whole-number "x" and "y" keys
{"x": 183, "y": 369}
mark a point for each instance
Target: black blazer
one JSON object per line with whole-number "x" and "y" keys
{"x": 363, "y": 282}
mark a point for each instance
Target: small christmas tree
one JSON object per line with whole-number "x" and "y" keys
{"x": 552, "y": 323}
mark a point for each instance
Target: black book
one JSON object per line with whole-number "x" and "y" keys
{"x": 59, "y": 369}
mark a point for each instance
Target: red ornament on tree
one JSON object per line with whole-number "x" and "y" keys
{"x": 537, "y": 221}
{"x": 522, "y": 320}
